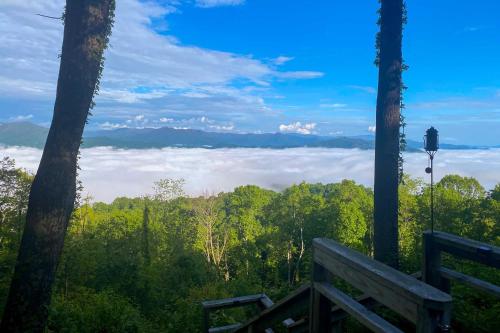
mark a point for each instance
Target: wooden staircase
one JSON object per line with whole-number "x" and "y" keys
{"x": 321, "y": 307}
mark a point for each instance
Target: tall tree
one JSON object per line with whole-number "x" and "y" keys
{"x": 87, "y": 26}
{"x": 145, "y": 235}
{"x": 390, "y": 62}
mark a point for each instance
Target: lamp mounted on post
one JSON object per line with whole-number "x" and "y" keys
{"x": 431, "y": 146}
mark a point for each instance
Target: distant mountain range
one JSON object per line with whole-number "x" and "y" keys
{"x": 31, "y": 135}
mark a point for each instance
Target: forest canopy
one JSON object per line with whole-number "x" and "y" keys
{"x": 145, "y": 264}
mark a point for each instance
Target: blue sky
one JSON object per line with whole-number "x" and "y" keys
{"x": 265, "y": 66}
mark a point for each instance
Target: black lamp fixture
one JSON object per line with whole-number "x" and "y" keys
{"x": 431, "y": 146}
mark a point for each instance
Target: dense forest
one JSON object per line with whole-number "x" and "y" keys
{"x": 145, "y": 264}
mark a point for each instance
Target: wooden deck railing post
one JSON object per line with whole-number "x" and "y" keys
{"x": 435, "y": 274}
{"x": 432, "y": 264}
{"x": 206, "y": 320}
{"x": 321, "y": 307}
{"x": 432, "y": 321}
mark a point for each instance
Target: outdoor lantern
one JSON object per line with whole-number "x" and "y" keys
{"x": 431, "y": 146}
{"x": 431, "y": 141}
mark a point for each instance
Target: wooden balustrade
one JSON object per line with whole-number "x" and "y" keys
{"x": 260, "y": 300}
{"x": 433, "y": 273}
{"x": 420, "y": 303}
{"x": 270, "y": 315}
{"x": 427, "y": 307}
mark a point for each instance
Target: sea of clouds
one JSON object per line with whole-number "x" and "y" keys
{"x": 107, "y": 173}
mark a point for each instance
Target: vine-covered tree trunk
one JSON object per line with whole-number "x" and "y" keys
{"x": 387, "y": 132}
{"x": 86, "y": 31}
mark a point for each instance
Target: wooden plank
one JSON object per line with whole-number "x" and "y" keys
{"x": 265, "y": 301}
{"x": 432, "y": 263}
{"x": 430, "y": 321}
{"x": 487, "y": 287}
{"x": 320, "y": 313}
{"x": 467, "y": 248}
{"x": 338, "y": 313}
{"x": 301, "y": 325}
{"x": 294, "y": 304}
{"x": 231, "y": 302}
{"x": 206, "y": 320}
{"x": 398, "y": 291}
{"x": 227, "y": 328}
{"x": 320, "y": 306}
{"x": 368, "y": 318}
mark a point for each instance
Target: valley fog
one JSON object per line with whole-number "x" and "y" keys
{"x": 108, "y": 173}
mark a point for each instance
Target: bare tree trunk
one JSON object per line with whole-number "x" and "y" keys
{"x": 301, "y": 253}
{"x": 87, "y": 27}
{"x": 289, "y": 262}
{"x": 387, "y": 133}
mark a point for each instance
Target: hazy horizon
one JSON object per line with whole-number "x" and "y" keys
{"x": 108, "y": 173}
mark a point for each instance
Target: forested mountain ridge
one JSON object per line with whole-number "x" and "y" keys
{"x": 23, "y": 134}
{"x": 31, "y": 135}
{"x": 145, "y": 264}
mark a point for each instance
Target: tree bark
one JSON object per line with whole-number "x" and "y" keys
{"x": 51, "y": 201}
{"x": 145, "y": 236}
{"x": 387, "y": 133}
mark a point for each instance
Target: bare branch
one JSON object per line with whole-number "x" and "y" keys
{"x": 51, "y": 17}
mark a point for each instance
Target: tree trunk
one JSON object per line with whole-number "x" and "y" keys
{"x": 51, "y": 201}
{"x": 146, "y": 256}
{"x": 387, "y": 133}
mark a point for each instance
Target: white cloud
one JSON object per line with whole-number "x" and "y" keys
{"x": 143, "y": 67}
{"x": 366, "y": 89}
{"x": 372, "y": 129}
{"x": 166, "y": 120}
{"x": 218, "y": 3}
{"x": 299, "y": 75}
{"x": 21, "y": 118}
{"x": 139, "y": 117}
{"x": 107, "y": 173}
{"x": 130, "y": 97}
{"x": 222, "y": 127}
{"x": 298, "y": 127}
{"x": 333, "y": 105}
{"x": 282, "y": 59}
{"x": 459, "y": 103}
{"x": 111, "y": 126}
{"x": 473, "y": 28}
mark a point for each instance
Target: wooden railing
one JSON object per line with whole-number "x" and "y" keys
{"x": 321, "y": 307}
{"x": 271, "y": 314}
{"x": 293, "y": 305}
{"x": 261, "y": 300}
{"x": 427, "y": 307}
{"x": 438, "y": 276}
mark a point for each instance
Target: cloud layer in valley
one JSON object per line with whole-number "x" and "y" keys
{"x": 108, "y": 173}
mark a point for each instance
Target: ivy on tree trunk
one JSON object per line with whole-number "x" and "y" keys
{"x": 387, "y": 137}
{"x": 87, "y": 26}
